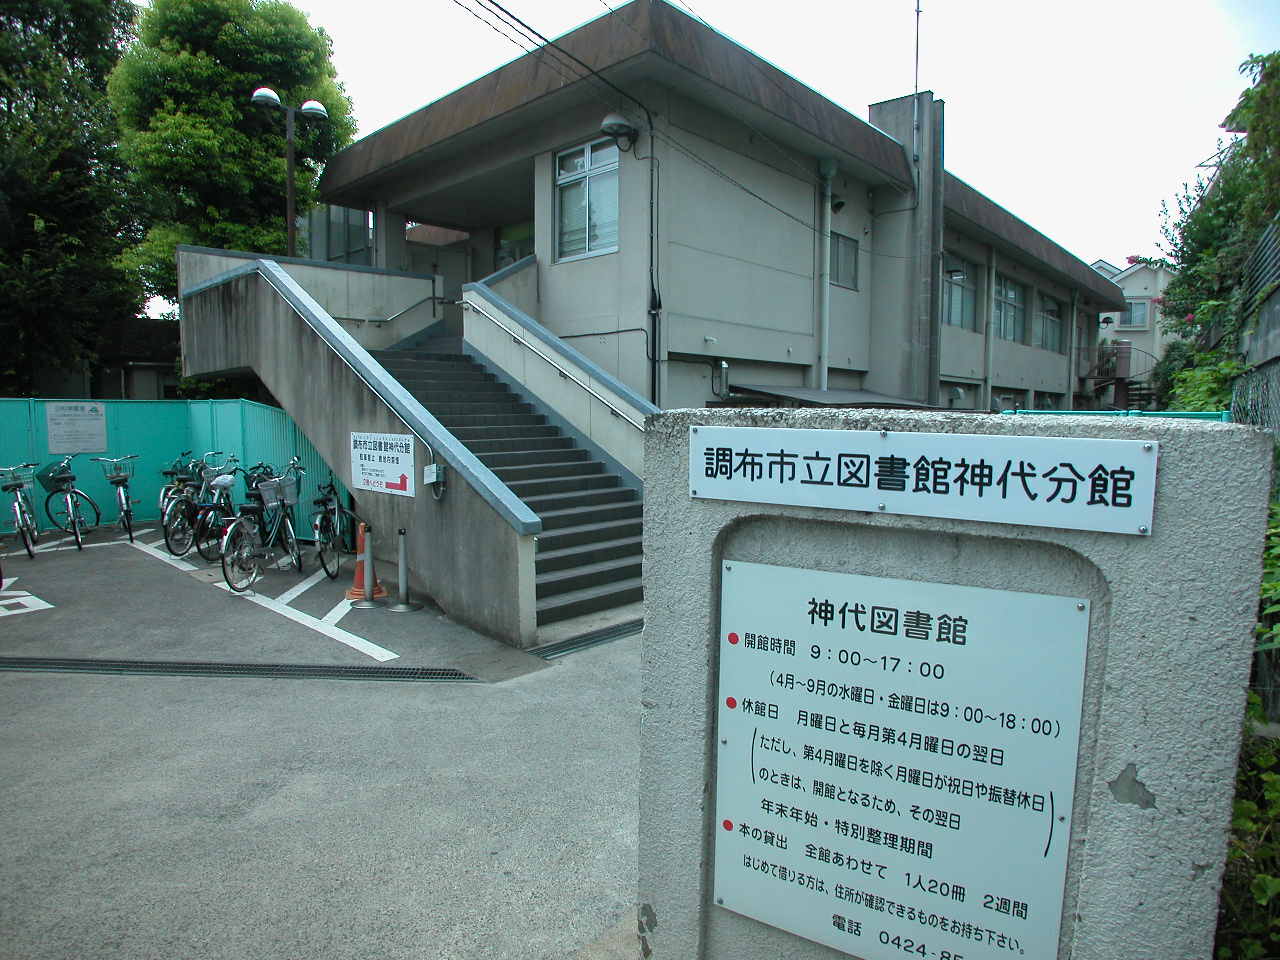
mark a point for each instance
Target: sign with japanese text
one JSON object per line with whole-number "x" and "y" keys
{"x": 1077, "y": 484}
{"x": 896, "y": 761}
{"x": 76, "y": 427}
{"x": 383, "y": 462}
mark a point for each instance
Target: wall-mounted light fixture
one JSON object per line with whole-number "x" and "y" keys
{"x": 837, "y": 203}
{"x": 622, "y": 130}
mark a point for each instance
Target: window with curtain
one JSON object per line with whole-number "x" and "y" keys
{"x": 1049, "y": 333}
{"x": 959, "y": 292}
{"x": 1010, "y": 309}
{"x": 844, "y": 261}
{"x": 587, "y": 200}
{"x": 1135, "y": 314}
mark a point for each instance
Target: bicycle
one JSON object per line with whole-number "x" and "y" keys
{"x": 21, "y": 479}
{"x": 178, "y": 478}
{"x": 118, "y": 471}
{"x": 332, "y": 526}
{"x": 180, "y": 516}
{"x": 212, "y": 519}
{"x": 66, "y": 506}
{"x": 249, "y": 544}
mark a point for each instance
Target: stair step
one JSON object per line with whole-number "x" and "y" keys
{"x": 463, "y": 421}
{"x": 449, "y": 389}
{"x": 382, "y": 356}
{"x": 578, "y": 516}
{"x": 432, "y": 397}
{"x": 429, "y": 368}
{"x": 501, "y": 408}
{"x": 526, "y": 458}
{"x": 589, "y": 600}
{"x": 588, "y": 533}
{"x": 590, "y": 575}
{"x": 507, "y": 431}
{"x": 547, "y": 561}
{"x": 548, "y": 470}
{"x": 552, "y": 502}
{"x": 520, "y": 445}
{"x": 591, "y": 481}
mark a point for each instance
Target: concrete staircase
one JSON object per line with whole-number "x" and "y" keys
{"x": 589, "y": 552}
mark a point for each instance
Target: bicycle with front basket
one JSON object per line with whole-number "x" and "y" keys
{"x": 118, "y": 471}
{"x": 21, "y": 479}
{"x": 67, "y": 507}
{"x": 249, "y": 545}
{"x": 333, "y": 527}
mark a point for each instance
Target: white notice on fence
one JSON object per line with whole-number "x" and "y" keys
{"x": 383, "y": 462}
{"x": 1079, "y": 484}
{"x": 76, "y": 427}
{"x": 896, "y": 761}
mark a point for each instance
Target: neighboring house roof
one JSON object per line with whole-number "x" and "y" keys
{"x": 1108, "y": 270}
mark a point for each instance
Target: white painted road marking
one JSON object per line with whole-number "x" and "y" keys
{"x": 338, "y": 612}
{"x": 172, "y": 561}
{"x": 13, "y": 602}
{"x": 381, "y": 654}
{"x": 298, "y": 589}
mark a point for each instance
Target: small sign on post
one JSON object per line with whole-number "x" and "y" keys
{"x": 384, "y": 463}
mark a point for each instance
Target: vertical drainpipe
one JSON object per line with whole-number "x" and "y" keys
{"x": 826, "y": 170}
{"x": 1072, "y": 353}
{"x": 936, "y": 214}
{"x": 989, "y": 314}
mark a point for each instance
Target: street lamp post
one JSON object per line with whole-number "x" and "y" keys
{"x": 265, "y": 96}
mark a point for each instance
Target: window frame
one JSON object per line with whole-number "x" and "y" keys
{"x": 1130, "y": 302}
{"x": 966, "y": 287}
{"x": 1001, "y": 300}
{"x": 835, "y": 260}
{"x": 1044, "y": 317}
{"x": 586, "y": 175}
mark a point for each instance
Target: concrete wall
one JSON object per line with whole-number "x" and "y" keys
{"x": 1169, "y": 650}
{"x": 462, "y": 553}
{"x": 360, "y": 298}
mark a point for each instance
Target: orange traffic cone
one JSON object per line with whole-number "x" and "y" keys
{"x": 357, "y": 591}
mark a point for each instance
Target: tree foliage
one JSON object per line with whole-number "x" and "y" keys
{"x": 211, "y": 165}
{"x": 65, "y": 213}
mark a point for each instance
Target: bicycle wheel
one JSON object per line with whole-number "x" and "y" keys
{"x": 24, "y": 526}
{"x": 61, "y": 505}
{"x": 126, "y": 512}
{"x": 289, "y": 543}
{"x": 29, "y": 512}
{"x": 240, "y": 566}
{"x": 210, "y": 527}
{"x": 328, "y": 549}
{"x": 179, "y": 526}
{"x": 75, "y": 520}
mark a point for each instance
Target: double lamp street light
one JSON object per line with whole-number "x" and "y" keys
{"x": 266, "y": 97}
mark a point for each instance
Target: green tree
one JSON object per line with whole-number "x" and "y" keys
{"x": 65, "y": 215}
{"x": 211, "y": 166}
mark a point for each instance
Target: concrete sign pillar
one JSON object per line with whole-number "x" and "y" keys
{"x": 980, "y": 702}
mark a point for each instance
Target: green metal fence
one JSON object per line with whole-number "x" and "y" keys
{"x": 1219, "y": 416}
{"x": 158, "y": 430}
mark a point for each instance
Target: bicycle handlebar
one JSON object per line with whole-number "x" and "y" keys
{"x": 132, "y": 456}
{"x": 20, "y": 466}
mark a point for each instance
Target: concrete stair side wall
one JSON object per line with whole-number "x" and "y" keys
{"x": 462, "y": 550}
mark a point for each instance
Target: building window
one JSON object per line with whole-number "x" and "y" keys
{"x": 844, "y": 261}
{"x": 1135, "y": 315}
{"x": 587, "y": 200}
{"x": 959, "y": 293}
{"x": 1048, "y": 331}
{"x": 1010, "y": 316}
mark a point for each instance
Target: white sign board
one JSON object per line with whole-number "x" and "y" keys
{"x": 1078, "y": 484}
{"x": 383, "y": 462}
{"x": 76, "y": 427}
{"x": 896, "y": 761}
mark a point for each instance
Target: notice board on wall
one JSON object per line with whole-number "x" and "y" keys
{"x": 896, "y": 761}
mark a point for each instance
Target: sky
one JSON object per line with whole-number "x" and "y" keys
{"x": 1081, "y": 118}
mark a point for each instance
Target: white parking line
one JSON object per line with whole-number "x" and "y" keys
{"x": 298, "y": 589}
{"x": 159, "y": 555}
{"x": 338, "y": 612}
{"x": 381, "y": 654}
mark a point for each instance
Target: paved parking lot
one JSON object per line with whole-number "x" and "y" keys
{"x": 211, "y": 817}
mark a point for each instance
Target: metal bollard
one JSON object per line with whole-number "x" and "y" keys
{"x": 370, "y": 580}
{"x": 404, "y": 604}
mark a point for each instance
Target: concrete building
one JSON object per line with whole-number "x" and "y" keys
{"x": 670, "y": 221}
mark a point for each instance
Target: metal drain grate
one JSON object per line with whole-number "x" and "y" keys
{"x": 574, "y": 644}
{"x": 198, "y": 668}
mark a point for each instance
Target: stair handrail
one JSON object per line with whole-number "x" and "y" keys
{"x": 613, "y": 408}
